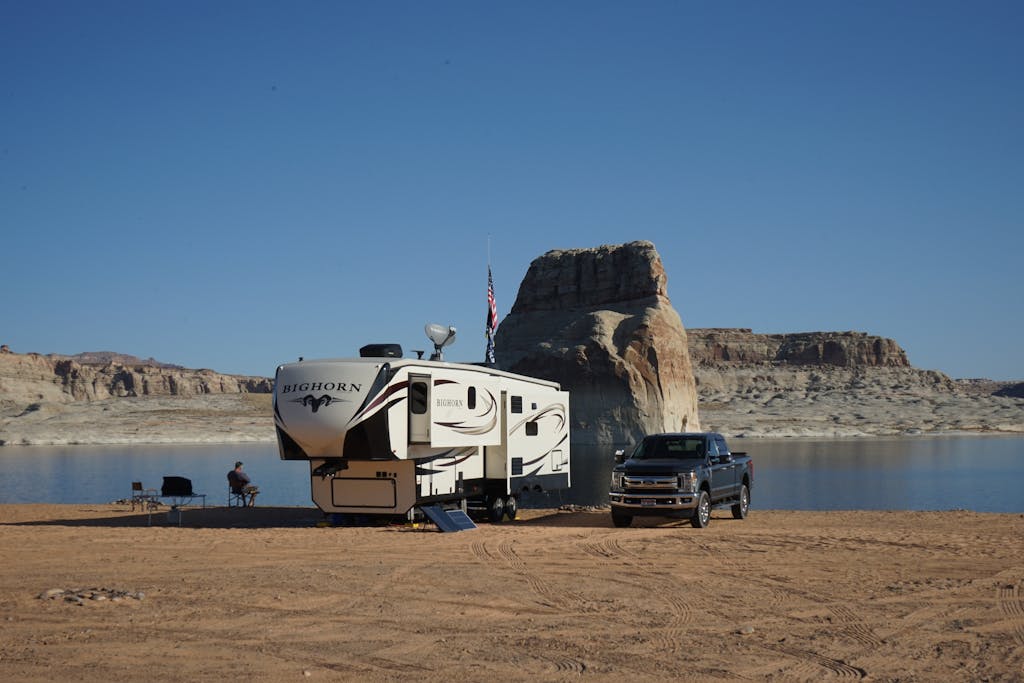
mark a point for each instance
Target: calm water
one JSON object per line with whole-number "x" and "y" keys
{"x": 973, "y": 473}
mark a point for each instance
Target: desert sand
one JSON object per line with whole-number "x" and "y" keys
{"x": 268, "y": 595}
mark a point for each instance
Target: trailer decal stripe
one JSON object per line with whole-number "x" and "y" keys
{"x": 555, "y": 410}
{"x": 398, "y": 386}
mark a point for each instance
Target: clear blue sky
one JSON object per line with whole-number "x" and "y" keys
{"x": 232, "y": 185}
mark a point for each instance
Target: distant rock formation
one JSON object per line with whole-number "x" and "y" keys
{"x": 31, "y": 378}
{"x": 599, "y": 322}
{"x": 732, "y": 346}
{"x": 108, "y": 357}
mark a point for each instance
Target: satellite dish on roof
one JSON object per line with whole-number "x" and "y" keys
{"x": 441, "y": 336}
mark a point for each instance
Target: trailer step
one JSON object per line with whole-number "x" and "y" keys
{"x": 448, "y": 520}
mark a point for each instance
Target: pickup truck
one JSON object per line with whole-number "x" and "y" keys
{"x": 680, "y": 475}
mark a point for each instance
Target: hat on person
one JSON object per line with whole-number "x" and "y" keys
{"x": 238, "y": 464}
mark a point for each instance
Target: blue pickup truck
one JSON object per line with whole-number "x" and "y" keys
{"x": 680, "y": 475}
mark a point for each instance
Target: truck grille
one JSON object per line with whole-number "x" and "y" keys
{"x": 651, "y": 482}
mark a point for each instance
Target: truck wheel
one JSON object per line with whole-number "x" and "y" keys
{"x": 702, "y": 513}
{"x": 740, "y": 509}
{"x": 511, "y": 508}
{"x": 495, "y": 509}
{"x": 621, "y": 519}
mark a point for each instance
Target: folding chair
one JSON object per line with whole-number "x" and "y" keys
{"x": 236, "y": 498}
{"x": 145, "y": 498}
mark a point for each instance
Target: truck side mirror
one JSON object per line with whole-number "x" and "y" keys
{"x": 620, "y": 456}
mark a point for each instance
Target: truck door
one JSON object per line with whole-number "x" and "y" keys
{"x": 723, "y": 472}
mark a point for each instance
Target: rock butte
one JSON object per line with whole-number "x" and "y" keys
{"x": 598, "y": 321}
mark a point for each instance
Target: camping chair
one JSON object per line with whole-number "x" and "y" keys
{"x": 240, "y": 494}
{"x": 145, "y": 498}
{"x": 242, "y": 497}
{"x": 236, "y": 498}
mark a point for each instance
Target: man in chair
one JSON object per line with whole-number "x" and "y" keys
{"x": 242, "y": 486}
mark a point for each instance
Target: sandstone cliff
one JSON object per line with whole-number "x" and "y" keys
{"x": 836, "y": 384}
{"x": 599, "y": 322}
{"x": 27, "y": 379}
{"x": 60, "y": 400}
{"x": 734, "y": 346}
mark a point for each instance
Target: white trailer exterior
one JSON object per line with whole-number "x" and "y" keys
{"x": 384, "y": 435}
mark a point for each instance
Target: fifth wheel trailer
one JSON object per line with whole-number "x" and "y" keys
{"x": 383, "y": 435}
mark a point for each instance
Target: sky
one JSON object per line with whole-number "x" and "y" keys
{"x": 232, "y": 185}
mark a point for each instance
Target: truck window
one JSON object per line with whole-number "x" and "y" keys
{"x": 722, "y": 448}
{"x": 670, "y": 448}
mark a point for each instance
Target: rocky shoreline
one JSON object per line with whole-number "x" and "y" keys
{"x": 736, "y": 404}
{"x": 843, "y": 403}
{"x": 816, "y": 385}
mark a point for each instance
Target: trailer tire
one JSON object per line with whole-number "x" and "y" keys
{"x": 702, "y": 513}
{"x": 511, "y": 508}
{"x": 495, "y": 509}
{"x": 740, "y": 509}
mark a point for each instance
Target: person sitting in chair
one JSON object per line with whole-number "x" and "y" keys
{"x": 241, "y": 485}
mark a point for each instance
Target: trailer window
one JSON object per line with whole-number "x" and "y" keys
{"x": 471, "y": 398}
{"x": 418, "y": 397}
{"x": 517, "y": 404}
{"x": 531, "y": 428}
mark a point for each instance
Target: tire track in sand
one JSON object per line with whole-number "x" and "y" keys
{"x": 560, "y": 599}
{"x": 1011, "y": 603}
{"x": 834, "y": 666}
{"x": 671, "y": 635}
{"x": 845, "y": 618}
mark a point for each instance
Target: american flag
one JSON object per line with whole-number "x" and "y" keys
{"x": 492, "y": 318}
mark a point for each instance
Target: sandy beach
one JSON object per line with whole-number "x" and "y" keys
{"x": 267, "y": 595}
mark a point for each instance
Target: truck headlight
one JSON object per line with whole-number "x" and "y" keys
{"x": 617, "y": 480}
{"x": 688, "y": 482}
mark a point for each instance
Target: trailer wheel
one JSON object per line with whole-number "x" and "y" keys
{"x": 511, "y": 508}
{"x": 495, "y": 509}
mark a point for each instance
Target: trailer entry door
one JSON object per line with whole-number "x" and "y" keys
{"x": 419, "y": 408}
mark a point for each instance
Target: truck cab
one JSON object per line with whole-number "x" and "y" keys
{"x": 683, "y": 475}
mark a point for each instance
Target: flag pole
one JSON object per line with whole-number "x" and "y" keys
{"x": 492, "y": 310}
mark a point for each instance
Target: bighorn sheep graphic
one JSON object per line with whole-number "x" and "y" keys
{"x": 315, "y": 402}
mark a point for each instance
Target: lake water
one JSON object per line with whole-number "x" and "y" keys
{"x": 928, "y": 473}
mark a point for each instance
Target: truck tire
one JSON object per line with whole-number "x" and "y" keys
{"x": 702, "y": 513}
{"x": 511, "y": 508}
{"x": 621, "y": 519}
{"x": 740, "y": 509}
{"x": 495, "y": 509}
